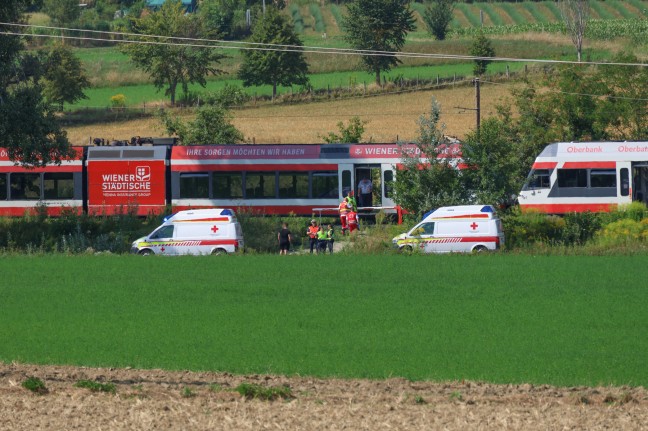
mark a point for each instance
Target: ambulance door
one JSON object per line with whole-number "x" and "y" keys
{"x": 387, "y": 184}
{"x": 346, "y": 179}
{"x": 424, "y": 233}
{"x": 162, "y": 240}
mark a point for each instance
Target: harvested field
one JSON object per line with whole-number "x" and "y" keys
{"x": 157, "y": 399}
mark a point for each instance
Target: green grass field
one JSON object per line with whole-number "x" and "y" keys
{"x": 577, "y": 320}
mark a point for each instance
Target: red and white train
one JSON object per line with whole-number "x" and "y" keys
{"x": 268, "y": 179}
{"x": 586, "y": 176}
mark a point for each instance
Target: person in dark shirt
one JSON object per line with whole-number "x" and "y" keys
{"x": 285, "y": 238}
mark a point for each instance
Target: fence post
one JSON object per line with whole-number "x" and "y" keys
{"x": 507, "y": 72}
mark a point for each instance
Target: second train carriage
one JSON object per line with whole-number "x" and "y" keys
{"x": 586, "y": 176}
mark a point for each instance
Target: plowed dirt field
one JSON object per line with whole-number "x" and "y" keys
{"x": 157, "y": 399}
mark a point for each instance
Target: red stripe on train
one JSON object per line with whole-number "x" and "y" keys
{"x": 568, "y": 208}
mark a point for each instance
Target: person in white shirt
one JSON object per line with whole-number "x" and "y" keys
{"x": 365, "y": 187}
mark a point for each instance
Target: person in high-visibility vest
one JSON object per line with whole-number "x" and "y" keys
{"x": 352, "y": 220}
{"x": 322, "y": 239}
{"x": 329, "y": 238}
{"x": 312, "y": 235}
{"x": 343, "y": 208}
{"x": 353, "y": 205}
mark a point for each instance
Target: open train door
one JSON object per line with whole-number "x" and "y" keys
{"x": 127, "y": 180}
{"x": 387, "y": 185}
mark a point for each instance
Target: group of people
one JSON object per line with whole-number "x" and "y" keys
{"x": 320, "y": 238}
{"x": 348, "y": 209}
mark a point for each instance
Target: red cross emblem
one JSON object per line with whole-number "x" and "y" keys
{"x": 474, "y": 225}
{"x": 162, "y": 249}
{"x": 214, "y": 229}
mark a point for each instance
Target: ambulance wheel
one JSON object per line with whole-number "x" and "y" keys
{"x": 480, "y": 249}
{"x": 406, "y": 249}
{"x": 145, "y": 252}
{"x": 219, "y": 252}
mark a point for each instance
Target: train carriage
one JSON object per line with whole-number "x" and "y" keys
{"x": 586, "y": 176}
{"x": 54, "y": 188}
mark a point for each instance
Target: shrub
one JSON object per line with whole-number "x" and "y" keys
{"x": 35, "y": 385}
{"x": 96, "y": 386}
{"x": 623, "y": 232}
{"x": 118, "y": 101}
{"x": 254, "y": 391}
{"x": 527, "y": 229}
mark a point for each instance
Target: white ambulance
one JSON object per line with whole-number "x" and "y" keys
{"x": 203, "y": 231}
{"x": 464, "y": 228}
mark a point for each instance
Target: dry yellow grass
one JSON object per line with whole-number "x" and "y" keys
{"x": 390, "y": 117}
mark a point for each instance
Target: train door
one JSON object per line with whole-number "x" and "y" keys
{"x": 639, "y": 172}
{"x": 368, "y": 185}
{"x": 387, "y": 185}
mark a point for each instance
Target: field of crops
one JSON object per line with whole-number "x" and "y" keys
{"x": 563, "y": 320}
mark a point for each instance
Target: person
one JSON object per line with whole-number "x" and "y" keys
{"x": 285, "y": 238}
{"x": 329, "y": 238}
{"x": 351, "y": 201}
{"x": 312, "y": 234}
{"x": 365, "y": 187}
{"x": 321, "y": 240}
{"x": 343, "y": 208}
{"x": 352, "y": 220}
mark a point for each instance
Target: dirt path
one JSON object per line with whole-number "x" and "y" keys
{"x": 156, "y": 399}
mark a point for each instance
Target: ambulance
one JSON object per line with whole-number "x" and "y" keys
{"x": 467, "y": 228}
{"x": 201, "y": 231}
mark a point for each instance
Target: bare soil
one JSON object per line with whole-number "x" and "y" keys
{"x": 158, "y": 399}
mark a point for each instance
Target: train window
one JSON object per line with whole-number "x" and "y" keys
{"x": 227, "y": 185}
{"x": 260, "y": 185}
{"x": 389, "y": 183}
{"x": 625, "y": 182}
{"x": 3, "y": 187}
{"x": 293, "y": 185}
{"x": 539, "y": 179}
{"x": 194, "y": 185}
{"x": 572, "y": 177}
{"x": 325, "y": 184}
{"x": 603, "y": 178}
{"x": 58, "y": 185}
{"x": 346, "y": 182}
{"x": 25, "y": 186}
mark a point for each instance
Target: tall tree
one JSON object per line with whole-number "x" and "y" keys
{"x": 62, "y": 12}
{"x": 481, "y": 47}
{"x": 575, "y": 15}
{"x": 281, "y": 67}
{"x": 63, "y": 80}
{"x": 427, "y": 181}
{"x": 29, "y": 129}
{"x": 438, "y": 16}
{"x": 378, "y": 25}
{"x": 175, "y": 63}
{"x": 212, "y": 125}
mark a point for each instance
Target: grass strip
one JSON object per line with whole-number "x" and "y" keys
{"x": 564, "y": 320}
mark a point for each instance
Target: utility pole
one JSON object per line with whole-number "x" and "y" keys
{"x": 477, "y": 107}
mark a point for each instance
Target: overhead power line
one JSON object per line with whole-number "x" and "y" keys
{"x": 240, "y": 45}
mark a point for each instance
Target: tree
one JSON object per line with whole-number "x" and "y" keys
{"x": 438, "y": 17}
{"x": 174, "y": 64}
{"x": 211, "y": 126}
{"x": 29, "y": 129}
{"x": 378, "y": 25}
{"x": 575, "y": 15}
{"x": 64, "y": 79}
{"x": 62, "y": 12}
{"x": 226, "y": 16}
{"x": 481, "y": 47}
{"x": 427, "y": 181}
{"x": 351, "y": 134}
{"x": 285, "y": 66}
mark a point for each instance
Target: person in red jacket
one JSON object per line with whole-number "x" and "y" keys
{"x": 352, "y": 220}
{"x": 312, "y": 235}
{"x": 344, "y": 209}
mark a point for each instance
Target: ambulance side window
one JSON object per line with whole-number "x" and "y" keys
{"x": 164, "y": 232}
{"x": 424, "y": 229}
